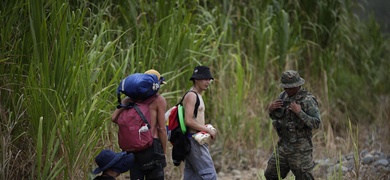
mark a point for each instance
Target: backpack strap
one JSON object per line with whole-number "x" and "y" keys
{"x": 135, "y": 106}
{"x": 196, "y": 104}
{"x": 141, "y": 114}
{"x": 282, "y": 94}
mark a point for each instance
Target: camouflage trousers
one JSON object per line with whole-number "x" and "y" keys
{"x": 300, "y": 163}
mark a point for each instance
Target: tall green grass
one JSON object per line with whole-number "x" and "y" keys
{"x": 61, "y": 62}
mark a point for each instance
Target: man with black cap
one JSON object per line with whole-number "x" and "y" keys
{"x": 198, "y": 163}
{"x": 112, "y": 164}
{"x": 294, "y": 114}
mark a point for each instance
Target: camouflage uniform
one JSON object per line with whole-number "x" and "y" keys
{"x": 294, "y": 149}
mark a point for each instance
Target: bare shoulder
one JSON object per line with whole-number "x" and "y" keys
{"x": 190, "y": 98}
{"x": 160, "y": 100}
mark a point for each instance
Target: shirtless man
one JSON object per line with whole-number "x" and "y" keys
{"x": 198, "y": 163}
{"x": 157, "y": 110}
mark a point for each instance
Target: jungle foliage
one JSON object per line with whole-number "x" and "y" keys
{"x": 61, "y": 62}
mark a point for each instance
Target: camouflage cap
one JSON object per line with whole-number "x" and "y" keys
{"x": 291, "y": 79}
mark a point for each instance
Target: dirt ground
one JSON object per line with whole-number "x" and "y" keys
{"x": 370, "y": 138}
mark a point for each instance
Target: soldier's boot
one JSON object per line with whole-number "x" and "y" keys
{"x": 305, "y": 176}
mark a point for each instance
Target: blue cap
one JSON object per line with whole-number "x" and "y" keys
{"x": 119, "y": 162}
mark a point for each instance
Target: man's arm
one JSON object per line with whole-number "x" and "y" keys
{"x": 160, "y": 125}
{"x": 115, "y": 115}
{"x": 310, "y": 116}
{"x": 189, "y": 105}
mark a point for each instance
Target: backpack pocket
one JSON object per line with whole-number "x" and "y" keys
{"x": 132, "y": 135}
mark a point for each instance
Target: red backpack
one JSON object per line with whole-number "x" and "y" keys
{"x": 177, "y": 131}
{"x": 134, "y": 126}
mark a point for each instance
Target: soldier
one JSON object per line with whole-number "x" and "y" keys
{"x": 294, "y": 114}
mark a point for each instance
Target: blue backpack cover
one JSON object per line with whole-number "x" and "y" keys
{"x": 138, "y": 87}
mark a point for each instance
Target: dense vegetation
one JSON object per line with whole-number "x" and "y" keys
{"x": 61, "y": 62}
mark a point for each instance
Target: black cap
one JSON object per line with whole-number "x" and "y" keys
{"x": 201, "y": 72}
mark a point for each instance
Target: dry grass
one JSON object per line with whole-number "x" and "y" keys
{"x": 61, "y": 62}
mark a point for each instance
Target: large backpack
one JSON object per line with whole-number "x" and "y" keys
{"x": 134, "y": 126}
{"x": 177, "y": 131}
{"x": 138, "y": 86}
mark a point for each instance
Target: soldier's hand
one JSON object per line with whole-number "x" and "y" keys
{"x": 274, "y": 105}
{"x": 294, "y": 107}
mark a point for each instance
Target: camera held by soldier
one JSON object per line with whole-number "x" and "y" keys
{"x": 286, "y": 104}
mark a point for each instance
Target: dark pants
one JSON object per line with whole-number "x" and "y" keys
{"x": 154, "y": 158}
{"x": 300, "y": 163}
{"x": 156, "y": 173}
